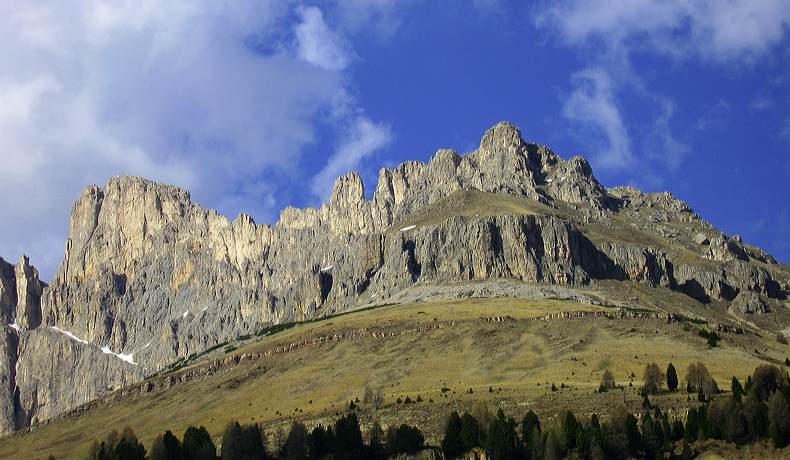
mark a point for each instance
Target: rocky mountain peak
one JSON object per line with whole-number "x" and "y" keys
{"x": 348, "y": 192}
{"x": 150, "y": 278}
{"x": 501, "y": 139}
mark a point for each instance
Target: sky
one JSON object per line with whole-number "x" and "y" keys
{"x": 257, "y": 105}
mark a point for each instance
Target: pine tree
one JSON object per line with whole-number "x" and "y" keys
{"x": 529, "y": 424}
{"x": 198, "y": 444}
{"x": 737, "y": 389}
{"x": 452, "y": 444}
{"x": 318, "y": 442}
{"x": 296, "y": 442}
{"x": 569, "y": 428}
{"x": 405, "y": 440}
{"x": 471, "y": 432}
{"x": 348, "y": 436}
{"x": 166, "y": 447}
{"x": 128, "y": 447}
{"x": 672, "y": 378}
{"x": 375, "y": 446}
{"x": 778, "y": 419}
{"x": 502, "y": 441}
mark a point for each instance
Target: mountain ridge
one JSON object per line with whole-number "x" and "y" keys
{"x": 150, "y": 277}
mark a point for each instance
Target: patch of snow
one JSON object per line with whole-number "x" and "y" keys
{"x": 68, "y": 334}
{"x": 123, "y": 357}
{"x": 185, "y": 314}
{"x": 328, "y": 267}
{"x": 15, "y": 326}
{"x": 548, "y": 181}
{"x": 205, "y": 308}
{"x": 409, "y": 227}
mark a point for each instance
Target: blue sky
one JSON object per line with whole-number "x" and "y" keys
{"x": 256, "y": 105}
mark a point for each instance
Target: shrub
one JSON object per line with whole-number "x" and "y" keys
{"x": 765, "y": 380}
{"x": 374, "y": 398}
{"x": 699, "y": 380}
{"x": 712, "y": 337}
{"x": 652, "y": 378}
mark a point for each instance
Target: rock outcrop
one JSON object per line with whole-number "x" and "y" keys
{"x": 28, "y": 294}
{"x": 149, "y": 277}
{"x": 20, "y": 308}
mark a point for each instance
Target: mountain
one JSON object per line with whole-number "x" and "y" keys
{"x": 151, "y": 280}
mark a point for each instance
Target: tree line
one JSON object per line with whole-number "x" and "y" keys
{"x": 755, "y": 410}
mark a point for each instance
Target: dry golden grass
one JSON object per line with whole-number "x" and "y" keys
{"x": 473, "y": 203}
{"x": 520, "y": 356}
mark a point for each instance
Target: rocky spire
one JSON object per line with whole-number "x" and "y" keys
{"x": 7, "y": 292}
{"x": 28, "y": 292}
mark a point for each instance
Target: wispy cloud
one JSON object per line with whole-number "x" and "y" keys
{"x": 363, "y": 139}
{"x": 716, "y": 30}
{"x": 714, "y": 117}
{"x": 318, "y": 44}
{"x": 592, "y": 104}
{"x": 610, "y": 33}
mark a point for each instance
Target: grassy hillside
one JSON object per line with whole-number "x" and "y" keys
{"x": 417, "y": 350}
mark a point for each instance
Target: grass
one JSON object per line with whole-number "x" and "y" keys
{"x": 520, "y": 359}
{"x": 473, "y": 203}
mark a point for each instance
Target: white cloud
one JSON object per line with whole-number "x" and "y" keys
{"x": 379, "y": 17}
{"x": 318, "y": 44}
{"x": 363, "y": 139}
{"x": 716, "y": 30}
{"x": 592, "y": 105}
{"x": 213, "y": 96}
{"x": 663, "y": 144}
{"x": 611, "y": 32}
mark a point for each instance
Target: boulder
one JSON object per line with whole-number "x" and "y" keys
{"x": 702, "y": 239}
{"x": 748, "y": 303}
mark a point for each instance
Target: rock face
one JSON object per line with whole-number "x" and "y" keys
{"x": 20, "y": 308}
{"x": 748, "y": 303}
{"x": 149, "y": 277}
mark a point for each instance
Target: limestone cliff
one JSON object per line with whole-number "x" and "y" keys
{"x": 149, "y": 277}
